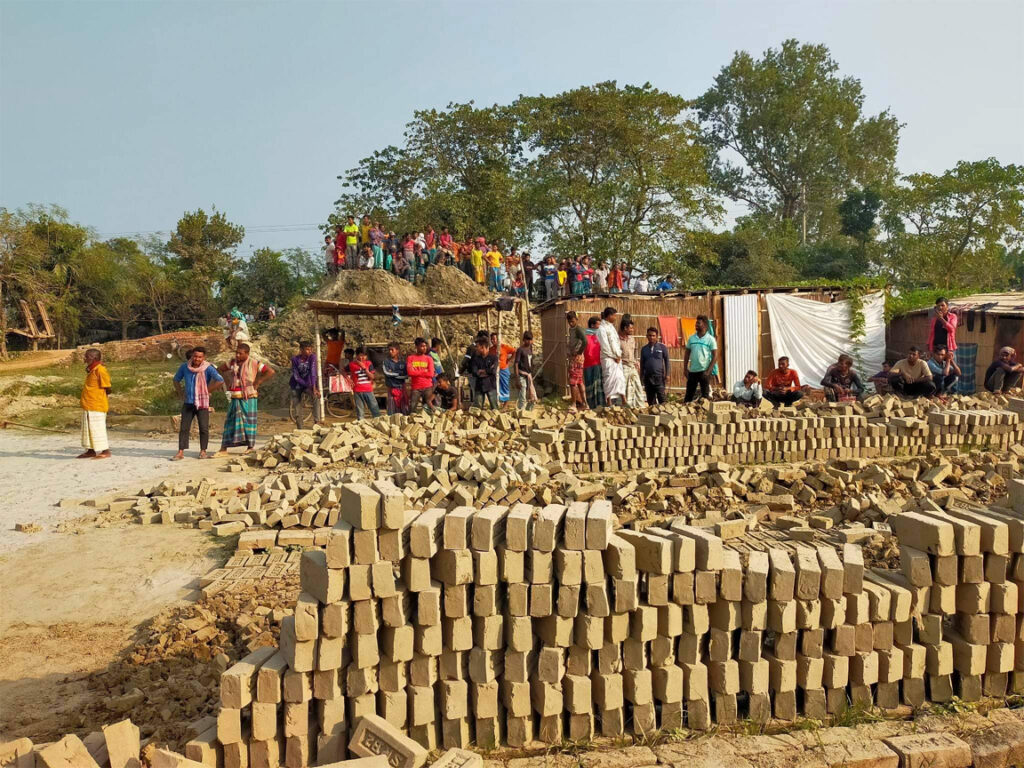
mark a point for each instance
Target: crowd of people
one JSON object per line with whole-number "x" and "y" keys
{"x": 368, "y": 245}
{"x": 607, "y": 366}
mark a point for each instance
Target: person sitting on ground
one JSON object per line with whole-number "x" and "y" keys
{"x": 302, "y": 383}
{"x": 420, "y": 368}
{"x": 748, "y": 391}
{"x": 484, "y": 368}
{"x": 94, "y": 407}
{"x": 782, "y": 386}
{"x": 945, "y": 372}
{"x": 881, "y": 379}
{"x": 911, "y": 377}
{"x": 654, "y": 368}
{"x": 362, "y": 384}
{"x": 446, "y": 394}
{"x": 841, "y": 382}
{"x": 1005, "y": 373}
{"x": 395, "y": 378}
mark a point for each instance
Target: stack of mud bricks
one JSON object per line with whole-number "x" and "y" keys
{"x": 513, "y": 624}
{"x": 675, "y": 439}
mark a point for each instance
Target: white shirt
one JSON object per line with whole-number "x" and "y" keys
{"x": 608, "y": 338}
{"x": 740, "y": 392}
{"x": 601, "y": 277}
{"x": 329, "y": 253}
{"x": 641, "y": 285}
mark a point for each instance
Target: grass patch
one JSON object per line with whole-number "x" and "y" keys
{"x": 857, "y": 714}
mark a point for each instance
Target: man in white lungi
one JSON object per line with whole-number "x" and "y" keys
{"x": 95, "y": 407}
{"x": 611, "y": 359}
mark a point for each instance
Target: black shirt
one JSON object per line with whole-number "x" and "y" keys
{"x": 447, "y": 397}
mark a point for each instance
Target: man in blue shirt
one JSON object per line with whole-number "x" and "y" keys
{"x": 654, "y": 368}
{"x": 193, "y": 382}
{"x": 303, "y": 381}
{"x": 945, "y": 371}
{"x": 549, "y": 272}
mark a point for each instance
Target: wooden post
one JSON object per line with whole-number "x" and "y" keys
{"x": 319, "y": 364}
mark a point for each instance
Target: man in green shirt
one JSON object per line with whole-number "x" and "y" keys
{"x": 351, "y": 243}
{"x": 701, "y": 351}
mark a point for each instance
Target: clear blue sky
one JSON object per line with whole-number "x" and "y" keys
{"x": 127, "y": 114}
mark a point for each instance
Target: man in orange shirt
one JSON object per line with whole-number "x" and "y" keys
{"x": 782, "y": 387}
{"x": 94, "y": 407}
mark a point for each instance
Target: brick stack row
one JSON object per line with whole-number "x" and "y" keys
{"x": 511, "y": 624}
{"x": 677, "y": 439}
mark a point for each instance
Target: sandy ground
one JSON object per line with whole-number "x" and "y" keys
{"x": 41, "y": 359}
{"x": 37, "y": 470}
{"x": 70, "y": 605}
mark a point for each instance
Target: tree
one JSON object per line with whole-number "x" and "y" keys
{"x": 954, "y": 229}
{"x": 615, "y": 172}
{"x": 458, "y": 168}
{"x": 798, "y": 131}
{"x": 204, "y": 246}
{"x": 113, "y": 289}
{"x": 161, "y": 280}
{"x": 23, "y": 272}
{"x": 264, "y": 278}
{"x": 307, "y": 270}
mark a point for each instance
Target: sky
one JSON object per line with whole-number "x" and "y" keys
{"x": 129, "y": 114}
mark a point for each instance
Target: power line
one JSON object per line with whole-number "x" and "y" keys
{"x": 256, "y": 228}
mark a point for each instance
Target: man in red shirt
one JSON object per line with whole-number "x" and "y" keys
{"x": 362, "y": 384}
{"x": 420, "y": 368}
{"x": 782, "y": 387}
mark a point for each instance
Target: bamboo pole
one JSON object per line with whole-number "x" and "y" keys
{"x": 319, "y": 364}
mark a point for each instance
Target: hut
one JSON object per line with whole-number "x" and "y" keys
{"x": 739, "y": 315}
{"x": 986, "y": 322}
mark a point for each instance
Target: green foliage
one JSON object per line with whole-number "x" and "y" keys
{"x": 901, "y": 301}
{"x": 954, "y": 229}
{"x": 204, "y": 246}
{"x": 266, "y": 277}
{"x": 614, "y": 172}
{"x": 799, "y": 130}
{"x": 113, "y": 289}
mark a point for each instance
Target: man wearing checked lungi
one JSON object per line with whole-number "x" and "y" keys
{"x": 243, "y": 377}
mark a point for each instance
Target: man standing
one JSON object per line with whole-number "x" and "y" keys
{"x": 94, "y": 407}
{"x": 364, "y": 231}
{"x": 945, "y": 371}
{"x": 613, "y": 379}
{"x": 420, "y": 369}
{"x": 351, "y": 243}
{"x": 549, "y": 273}
{"x": 484, "y": 368}
{"x": 330, "y": 255}
{"x": 494, "y": 269}
{"x": 701, "y": 352}
{"x": 361, "y": 370}
{"x": 654, "y": 368}
{"x": 395, "y": 377}
{"x": 782, "y": 387}
{"x": 911, "y": 377}
{"x": 942, "y": 329}
{"x": 1005, "y": 373}
{"x": 243, "y": 376}
{"x": 522, "y": 362}
{"x": 303, "y": 382}
{"x": 577, "y": 345}
{"x": 193, "y": 382}
{"x": 841, "y": 382}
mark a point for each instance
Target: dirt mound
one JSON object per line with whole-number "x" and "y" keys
{"x": 370, "y": 286}
{"x": 448, "y": 285}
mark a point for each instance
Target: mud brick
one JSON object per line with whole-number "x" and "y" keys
{"x": 853, "y": 569}
{"x": 425, "y": 533}
{"x": 653, "y": 553}
{"x": 238, "y": 683}
{"x": 547, "y": 528}
{"x": 995, "y": 536}
{"x": 360, "y": 506}
{"x": 754, "y": 676}
{"x": 229, "y": 726}
{"x": 300, "y": 655}
{"x": 755, "y": 582}
{"x": 375, "y": 736}
{"x": 599, "y": 524}
{"x": 456, "y": 528}
{"x": 930, "y": 750}
{"x": 808, "y": 574}
{"x": 620, "y": 558}
{"x": 708, "y": 547}
{"x": 452, "y": 758}
{"x": 831, "y": 568}
{"x": 518, "y": 526}
{"x": 782, "y": 576}
{"x": 204, "y": 749}
{"x": 122, "y": 744}
{"x": 488, "y": 528}
{"x": 325, "y": 584}
{"x": 339, "y": 545}
{"x": 165, "y": 758}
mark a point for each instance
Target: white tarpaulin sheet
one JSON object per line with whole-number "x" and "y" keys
{"x": 741, "y": 336}
{"x": 813, "y": 334}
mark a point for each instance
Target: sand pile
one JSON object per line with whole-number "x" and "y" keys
{"x": 448, "y": 285}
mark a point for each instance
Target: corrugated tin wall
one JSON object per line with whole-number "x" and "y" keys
{"x": 645, "y": 311}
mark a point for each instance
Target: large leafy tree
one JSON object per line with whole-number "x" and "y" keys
{"x": 264, "y": 278}
{"x": 457, "y": 168}
{"x": 113, "y": 289}
{"x": 954, "y": 229}
{"x": 791, "y": 134}
{"x": 203, "y": 245}
{"x": 615, "y": 172}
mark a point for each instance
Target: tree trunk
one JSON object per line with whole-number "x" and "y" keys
{"x": 160, "y": 321}
{"x": 3, "y": 324}
{"x": 124, "y": 330}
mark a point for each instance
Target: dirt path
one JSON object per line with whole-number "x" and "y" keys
{"x": 70, "y": 605}
{"x": 41, "y": 359}
{"x": 37, "y": 470}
